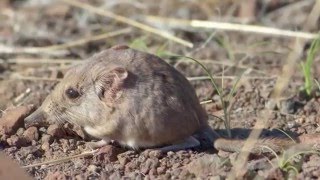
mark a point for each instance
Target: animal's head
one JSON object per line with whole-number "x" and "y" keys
{"x": 85, "y": 94}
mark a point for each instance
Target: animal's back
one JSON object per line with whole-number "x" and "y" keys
{"x": 161, "y": 105}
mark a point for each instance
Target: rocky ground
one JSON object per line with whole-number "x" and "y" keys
{"x": 28, "y": 75}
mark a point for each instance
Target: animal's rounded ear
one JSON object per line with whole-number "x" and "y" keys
{"x": 111, "y": 84}
{"x": 119, "y": 73}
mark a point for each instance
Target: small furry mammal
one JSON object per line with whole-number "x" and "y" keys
{"x": 134, "y": 98}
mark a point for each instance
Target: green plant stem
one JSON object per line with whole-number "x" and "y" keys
{"x": 227, "y": 124}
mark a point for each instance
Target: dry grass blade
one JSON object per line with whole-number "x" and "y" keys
{"x": 239, "y": 169}
{"x": 172, "y": 22}
{"x": 28, "y": 50}
{"x": 313, "y": 17}
{"x": 84, "y": 154}
{"x": 281, "y": 84}
{"x": 61, "y": 47}
{"x": 206, "y": 101}
{"x": 287, "y": 71}
{"x": 199, "y": 78}
{"x": 40, "y": 61}
{"x": 128, "y": 21}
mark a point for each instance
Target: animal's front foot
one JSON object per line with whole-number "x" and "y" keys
{"x": 96, "y": 145}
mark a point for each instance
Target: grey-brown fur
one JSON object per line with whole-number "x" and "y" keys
{"x": 154, "y": 105}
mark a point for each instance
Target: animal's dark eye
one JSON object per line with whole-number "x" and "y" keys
{"x": 72, "y": 93}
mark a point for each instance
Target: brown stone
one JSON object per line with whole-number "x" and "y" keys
{"x": 109, "y": 153}
{"x": 46, "y": 138}
{"x": 45, "y": 146}
{"x": 56, "y": 131}
{"x": 17, "y": 141}
{"x": 12, "y": 119}
{"x": 31, "y": 134}
{"x": 56, "y": 175}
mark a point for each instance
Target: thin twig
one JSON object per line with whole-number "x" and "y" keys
{"x": 84, "y": 154}
{"x": 17, "y": 101}
{"x": 206, "y": 101}
{"x": 172, "y": 22}
{"x": 128, "y": 21}
{"x": 29, "y": 50}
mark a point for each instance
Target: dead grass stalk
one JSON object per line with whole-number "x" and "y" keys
{"x": 128, "y": 21}
{"x": 172, "y": 22}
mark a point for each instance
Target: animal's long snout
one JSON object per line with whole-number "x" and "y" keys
{"x": 36, "y": 117}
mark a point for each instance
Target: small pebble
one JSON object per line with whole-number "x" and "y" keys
{"x": 31, "y": 134}
{"x": 47, "y": 138}
{"x": 56, "y": 131}
{"x": 17, "y": 141}
{"x": 13, "y": 119}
